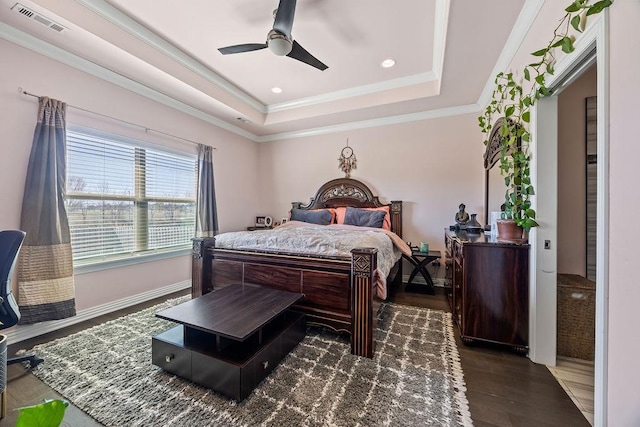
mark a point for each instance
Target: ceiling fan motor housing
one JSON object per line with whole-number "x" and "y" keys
{"x": 279, "y": 43}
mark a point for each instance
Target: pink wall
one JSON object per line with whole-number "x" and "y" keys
{"x": 236, "y": 190}
{"x": 624, "y": 208}
{"x": 431, "y": 165}
{"x": 571, "y": 174}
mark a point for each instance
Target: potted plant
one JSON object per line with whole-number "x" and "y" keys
{"x": 512, "y": 104}
{"x": 518, "y": 217}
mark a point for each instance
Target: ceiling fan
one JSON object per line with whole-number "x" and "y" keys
{"x": 279, "y": 39}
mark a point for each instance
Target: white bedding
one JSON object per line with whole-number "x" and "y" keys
{"x": 334, "y": 240}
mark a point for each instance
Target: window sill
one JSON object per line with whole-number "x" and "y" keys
{"x": 130, "y": 260}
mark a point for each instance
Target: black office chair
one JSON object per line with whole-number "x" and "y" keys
{"x": 10, "y": 244}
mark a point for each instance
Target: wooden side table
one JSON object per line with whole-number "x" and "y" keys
{"x": 420, "y": 260}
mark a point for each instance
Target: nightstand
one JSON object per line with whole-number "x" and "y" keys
{"x": 420, "y": 260}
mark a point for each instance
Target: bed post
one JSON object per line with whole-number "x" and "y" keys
{"x": 364, "y": 262}
{"x": 396, "y": 217}
{"x": 201, "y": 266}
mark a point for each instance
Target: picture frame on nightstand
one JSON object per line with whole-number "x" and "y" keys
{"x": 264, "y": 221}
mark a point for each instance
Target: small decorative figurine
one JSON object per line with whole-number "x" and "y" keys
{"x": 461, "y": 216}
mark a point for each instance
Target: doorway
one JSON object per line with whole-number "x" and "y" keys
{"x": 543, "y": 326}
{"x": 576, "y": 238}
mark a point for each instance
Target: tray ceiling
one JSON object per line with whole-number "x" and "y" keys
{"x": 445, "y": 52}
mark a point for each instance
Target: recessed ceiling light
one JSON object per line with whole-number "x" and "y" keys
{"x": 388, "y": 63}
{"x": 243, "y": 120}
{"x": 276, "y": 90}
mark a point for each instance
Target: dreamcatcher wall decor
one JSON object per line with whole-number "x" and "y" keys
{"x": 347, "y": 160}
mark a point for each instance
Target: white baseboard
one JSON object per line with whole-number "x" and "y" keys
{"x": 24, "y": 332}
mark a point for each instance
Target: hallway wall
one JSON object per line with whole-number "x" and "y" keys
{"x": 571, "y": 173}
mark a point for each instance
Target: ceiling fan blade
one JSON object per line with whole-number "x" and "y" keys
{"x": 284, "y": 17}
{"x": 239, "y": 48}
{"x": 299, "y": 53}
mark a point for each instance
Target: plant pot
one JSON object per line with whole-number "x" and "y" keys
{"x": 509, "y": 231}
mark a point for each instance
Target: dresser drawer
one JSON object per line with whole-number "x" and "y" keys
{"x": 457, "y": 251}
{"x": 448, "y": 244}
{"x": 168, "y": 352}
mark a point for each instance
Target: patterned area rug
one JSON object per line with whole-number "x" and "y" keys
{"x": 414, "y": 379}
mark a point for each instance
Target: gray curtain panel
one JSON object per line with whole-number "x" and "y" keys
{"x": 46, "y": 289}
{"x": 206, "y": 212}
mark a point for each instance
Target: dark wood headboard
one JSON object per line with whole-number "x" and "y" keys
{"x": 351, "y": 192}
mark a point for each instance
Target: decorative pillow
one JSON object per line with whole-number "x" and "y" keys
{"x": 340, "y": 213}
{"x": 364, "y": 217}
{"x": 321, "y": 216}
{"x": 386, "y": 224}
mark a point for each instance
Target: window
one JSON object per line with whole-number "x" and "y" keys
{"x": 127, "y": 197}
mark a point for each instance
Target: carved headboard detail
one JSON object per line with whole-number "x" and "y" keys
{"x": 351, "y": 192}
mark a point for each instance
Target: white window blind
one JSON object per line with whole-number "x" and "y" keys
{"x": 124, "y": 197}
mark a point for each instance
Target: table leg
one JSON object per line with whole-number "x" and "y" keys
{"x": 420, "y": 267}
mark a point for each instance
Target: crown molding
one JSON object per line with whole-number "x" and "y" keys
{"x": 383, "y": 121}
{"x": 440, "y": 36}
{"x": 519, "y": 31}
{"x": 116, "y": 17}
{"x": 439, "y": 43}
{"x": 353, "y": 92}
{"x": 32, "y": 43}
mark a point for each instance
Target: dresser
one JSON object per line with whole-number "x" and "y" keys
{"x": 487, "y": 285}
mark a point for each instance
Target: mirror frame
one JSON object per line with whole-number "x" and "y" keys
{"x": 491, "y": 156}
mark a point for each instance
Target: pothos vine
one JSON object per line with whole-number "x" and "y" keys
{"x": 513, "y": 104}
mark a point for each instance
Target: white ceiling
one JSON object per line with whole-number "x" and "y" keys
{"x": 446, "y": 52}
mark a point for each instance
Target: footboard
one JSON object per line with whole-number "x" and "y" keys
{"x": 338, "y": 294}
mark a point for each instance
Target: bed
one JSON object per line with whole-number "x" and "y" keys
{"x": 340, "y": 292}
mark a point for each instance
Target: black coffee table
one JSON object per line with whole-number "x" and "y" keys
{"x": 231, "y": 339}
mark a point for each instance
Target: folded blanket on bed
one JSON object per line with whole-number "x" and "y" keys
{"x": 335, "y": 241}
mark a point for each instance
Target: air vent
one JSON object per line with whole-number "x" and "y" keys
{"x": 25, "y": 11}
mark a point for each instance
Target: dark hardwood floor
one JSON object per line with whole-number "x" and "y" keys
{"x": 503, "y": 388}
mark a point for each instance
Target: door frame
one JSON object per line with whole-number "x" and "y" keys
{"x": 542, "y": 330}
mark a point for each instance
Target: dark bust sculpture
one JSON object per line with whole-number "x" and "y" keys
{"x": 461, "y": 216}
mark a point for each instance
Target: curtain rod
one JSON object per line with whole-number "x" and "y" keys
{"x": 146, "y": 129}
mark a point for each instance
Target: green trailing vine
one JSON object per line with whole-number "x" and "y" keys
{"x": 46, "y": 414}
{"x": 513, "y": 104}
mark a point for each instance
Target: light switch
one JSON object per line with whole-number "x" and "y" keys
{"x": 547, "y": 244}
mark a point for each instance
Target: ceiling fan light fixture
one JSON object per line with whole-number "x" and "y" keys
{"x": 279, "y": 39}
{"x": 279, "y": 44}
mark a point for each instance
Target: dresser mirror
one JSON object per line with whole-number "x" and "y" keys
{"x": 494, "y": 186}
